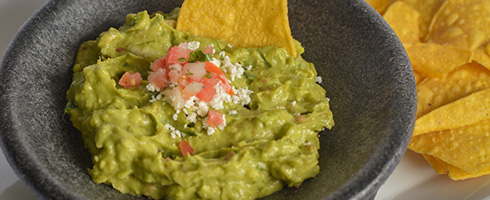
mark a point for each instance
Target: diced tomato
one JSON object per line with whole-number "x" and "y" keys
{"x": 195, "y": 71}
{"x": 210, "y": 67}
{"x": 208, "y": 92}
{"x": 159, "y": 79}
{"x": 225, "y": 83}
{"x": 192, "y": 89}
{"x": 186, "y": 148}
{"x": 158, "y": 64}
{"x": 130, "y": 79}
{"x": 215, "y": 118}
{"x": 184, "y": 81}
{"x": 177, "y": 55}
{"x": 174, "y": 72}
{"x": 208, "y": 50}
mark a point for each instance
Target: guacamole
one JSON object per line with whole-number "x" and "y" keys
{"x": 253, "y": 132}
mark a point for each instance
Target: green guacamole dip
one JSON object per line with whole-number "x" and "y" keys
{"x": 267, "y": 144}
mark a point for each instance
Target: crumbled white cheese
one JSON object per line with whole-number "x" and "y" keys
{"x": 173, "y": 132}
{"x": 249, "y": 67}
{"x": 232, "y": 112}
{"x": 242, "y": 96}
{"x": 210, "y": 130}
{"x": 219, "y": 98}
{"x": 192, "y": 117}
{"x": 175, "y": 117}
{"x": 234, "y": 70}
{"x": 318, "y": 79}
{"x": 293, "y": 103}
{"x": 215, "y": 62}
{"x": 202, "y": 108}
{"x": 222, "y": 54}
{"x": 193, "y": 45}
{"x": 150, "y": 87}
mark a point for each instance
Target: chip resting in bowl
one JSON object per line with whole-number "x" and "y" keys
{"x": 451, "y": 62}
{"x": 172, "y": 114}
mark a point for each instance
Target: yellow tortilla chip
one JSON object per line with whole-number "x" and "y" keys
{"x": 379, "y": 5}
{"x": 427, "y": 10}
{"x": 419, "y": 77}
{"x": 435, "y": 92}
{"x": 403, "y": 19}
{"x": 458, "y": 174}
{"x": 452, "y": 171}
{"x": 252, "y": 23}
{"x": 462, "y": 112}
{"x": 467, "y": 148}
{"x": 482, "y": 56}
{"x": 461, "y": 23}
{"x": 435, "y": 164}
{"x": 436, "y": 60}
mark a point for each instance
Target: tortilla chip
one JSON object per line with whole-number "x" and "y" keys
{"x": 467, "y": 148}
{"x": 436, "y": 60}
{"x": 453, "y": 172}
{"x": 482, "y": 56}
{"x": 427, "y": 10}
{"x": 433, "y": 93}
{"x": 379, "y": 5}
{"x": 461, "y": 23}
{"x": 403, "y": 19}
{"x": 462, "y": 112}
{"x": 253, "y": 23}
{"x": 419, "y": 77}
{"x": 458, "y": 174}
{"x": 435, "y": 164}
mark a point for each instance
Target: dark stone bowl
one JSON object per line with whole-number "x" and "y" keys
{"x": 365, "y": 69}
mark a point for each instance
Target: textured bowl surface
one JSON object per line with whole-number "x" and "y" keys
{"x": 365, "y": 70}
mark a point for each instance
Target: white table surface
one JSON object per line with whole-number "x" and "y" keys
{"x": 412, "y": 179}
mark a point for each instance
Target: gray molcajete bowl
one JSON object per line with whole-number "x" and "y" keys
{"x": 366, "y": 74}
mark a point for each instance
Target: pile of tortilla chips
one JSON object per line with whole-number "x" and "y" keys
{"x": 448, "y": 43}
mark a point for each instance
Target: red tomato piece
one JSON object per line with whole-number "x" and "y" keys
{"x": 159, "y": 79}
{"x": 208, "y": 92}
{"x": 158, "y": 64}
{"x": 208, "y": 50}
{"x": 130, "y": 79}
{"x": 185, "y": 148}
{"x": 225, "y": 83}
{"x": 215, "y": 118}
{"x": 177, "y": 55}
{"x": 210, "y": 67}
{"x": 174, "y": 72}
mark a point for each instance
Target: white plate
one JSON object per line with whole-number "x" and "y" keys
{"x": 415, "y": 179}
